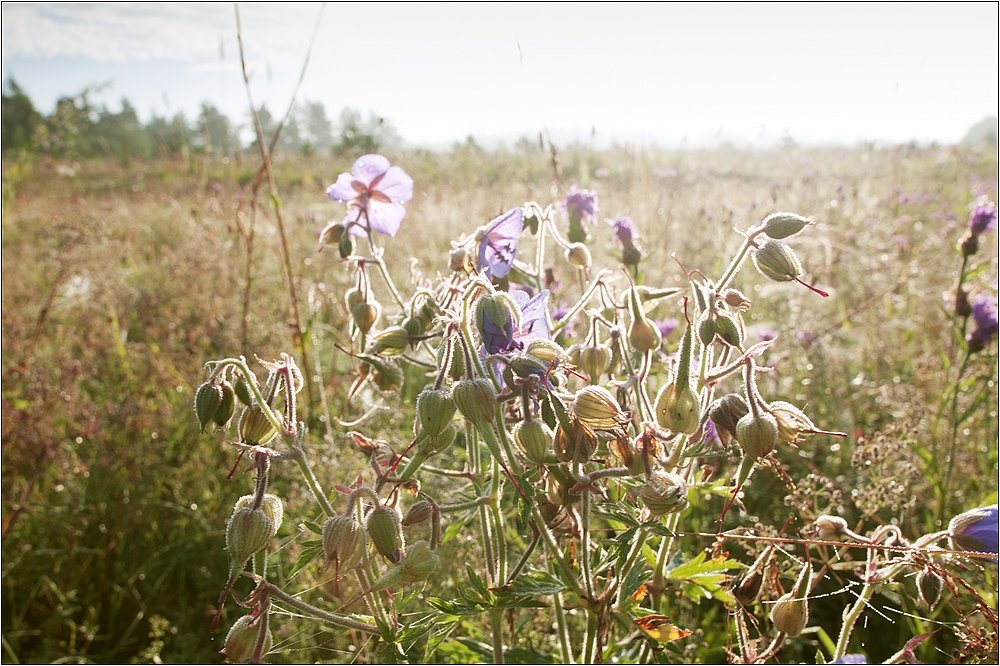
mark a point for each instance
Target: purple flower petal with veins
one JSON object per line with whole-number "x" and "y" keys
{"x": 534, "y": 323}
{"x": 498, "y": 243}
{"x": 374, "y": 193}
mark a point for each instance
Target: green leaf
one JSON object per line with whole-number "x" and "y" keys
{"x": 536, "y": 583}
{"x": 312, "y": 527}
{"x": 702, "y": 578}
{"x": 636, "y": 576}
{"x": 311, "y": 549}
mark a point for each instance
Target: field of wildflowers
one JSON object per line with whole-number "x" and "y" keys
{"x": 521, "y": 406}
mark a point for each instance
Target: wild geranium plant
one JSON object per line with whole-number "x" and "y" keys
{"x": 568, "y": 453}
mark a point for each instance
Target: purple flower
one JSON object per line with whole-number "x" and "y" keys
{"x": 984, "y": 315}
{"x": 710, "y": 435}
{"x": 581, "y": 204}
{"x": 498, "y": 243}
{"x": 767, "y": 335}
{"x": 983, "y": 217}
{"x": 666, "y": 326}
{"x": 624, "y": 228}
{"x": 851, "y": 659}
{"x": 534, "y": 322}
{"x": 374, "y": 193}
{"x": 975, "y": 530}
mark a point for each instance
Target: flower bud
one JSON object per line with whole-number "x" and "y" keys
{"x": 706, "y": 328}
{"x": 247, "y": 531}
{"x": 644, "y": 336}
{"x": 575, "y": 444}
{"x": 271, "y": 505}
{"x": 597, "y": 408}
{"x": 525, "y": 365}
{"x": 534, "y": 439}
{"x": 389, "y": 342}
{"x": 677, "y": 408}
{"x": 725, "y": 413}
{"x": 496, "y": 318}
{"x": 344, "y": 543}
{"x": 345, "y": 247}
{"x": 790, "y": 613}
{"x": 578, "y": 255}
{"x": 418, "y": 563}
{"x": 784, "y": 225}
{"x": 476, "y": 399}
{"x": 975, "y": 530}
{"x": 546, "y": 351}
{"x": 419, "y": 512}
{"x": 383, "y": 527}
{"x": 365, "y": 314}
{"x": 354, "y": 296}
{"x": 242, "y": 640}
{"x": 414, "y": 327}
{"x": 663, "y": 493}
{"x": 332, "y": 234}
{"x": 929, "y": 588}
{"x": 757, "y": 434}
{"x": 224, "y": 412}
{"x": 727, "y": 329}
{"x": 255, "y": 428}
{"x": 747, "y": 586}
{"x": 438, "y": 443}
{"x": 457, "y": 259}
{"x": 594, "y": 360}
{"x": 735, "y": 299}
{"x": 777, "y": 261}
{"x": 435, "y": 409}
{"x": 831, "y": 528}
{"x": 207, "y": 399}
{"x": 242, "y": 390}
{"x": 963, "y": 308}
{"x": 792, "y": 422}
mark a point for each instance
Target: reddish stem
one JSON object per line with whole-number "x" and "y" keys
{"x": 812, "y": 288}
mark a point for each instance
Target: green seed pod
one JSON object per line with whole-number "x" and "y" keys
{"x": 677, "y": 408}
{"x": 207, "y": 399}
{"x": 365, "y": 314}
{"x": 476, "y": 399}
{"x": 228, "y": 405}
{"x": 643, "y": 336}
{"x": 777, "y": 261}
{"x": 929, "y": 588}
{"x": 387, "y": 376}
{"x": 344, "y": 543}
{"x": 578, "y": 255}
{"x": 546, "y": 351}
{"x": 576, "y": 443}
{"x": 727, "y": 329}
{"x": 706, "y": 328}
{"x": 346, "y": 247}
{"x": 255, "y": 428}
{"x": 435, "y": 409}
{"x": 332, "y": 234}
{"x": 389, "y": 342}
{"x": 242, "y": 390}
{"x": 525, "y": 365}
{"x": 594, "y": 360}
{"x": 271, "y": 505}
{"x": 597, "y": 408}
{"x": 725, "y": 413}
{"x": 414, "y": 327}
{"x": 784, "y": 225}
{"x": 757, "y": 434}
{"x": 419, "y": 512}
{"x": 354, "y": 296}
{"x": 383, "y": 527}
{"x": 242, "y": 639}
{"x": 433, "y": 445}
{"x": 664, "y": 493}
{"x": 792, "y": 422}
{"x": 790, "y": 613}
{"x": 247, "y": 532}
{"x": 418, "y": 563}
{"x": 534, "y": 439}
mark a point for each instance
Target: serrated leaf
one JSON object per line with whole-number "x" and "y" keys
{"x": 312, "y": 527}
{"x": 311, "y": 549}
{"x": 536, "y": 583}
{"x": 635, "y": 577}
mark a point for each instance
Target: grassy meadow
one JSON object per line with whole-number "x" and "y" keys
{"x": 121, "y": 280}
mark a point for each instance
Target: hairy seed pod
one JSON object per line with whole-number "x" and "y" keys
{"x": 389, "y": 342}
{"x": 419, "y": 512}
{"x": 578, "y": 255}
{"x": 496, "y": 320}
{"x": 725, "y": 413}
{"x": 440, "y": 442}
{"x": 354, "y": 296}
{"x": 597, "y": 408}
{"x": 784, "y": 225}
{"x": 525, "y": 365}
{"x": 546, "y": 351}
{"x": 777, "y": 261}
{"x": 831, "y": 528}
{"x": 270, "y": 505}
{"x": 747, "y": 586}
{"x": 594, "y": 360}
{"x": 247, "y": 531}
{"x": 385, "y": 532}
{"x": 224, "y": 412}
{"x": 727, "y": 329}
{"x": 255, "y": 429}
{"x": 435, "y": 409}
{"x": 365, "y": 314}
{"x": 757, "y": 434}
{"x": 792, "y": 422}
{"x": 418, "y": 563}
{"x": 677, "y": 408}
{"x": 476, "y": 399}
{"x": 929, "y": 588}
{"x": 414, "y": 327}
{"x": 534, "y": 439}
{"x": 575, "y": 444}
{"x": 344, "y": 543}
{"x": 241, "y": 640}
{"x": 706, "y": 328}
{"x": 242, "y": 390}
{"x": 207, "y": 399}
{"x": 663, "y": 493}
{"x": 643, "y": 336}
{"x": 736, "y": 299}
{"x": 790, "y": 613}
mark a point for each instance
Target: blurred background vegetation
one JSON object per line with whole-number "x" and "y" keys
{"x": 128, "y": 262}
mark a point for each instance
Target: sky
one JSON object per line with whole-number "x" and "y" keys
{"x": 670, "y": 73}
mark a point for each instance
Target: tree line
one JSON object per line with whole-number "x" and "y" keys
{"x": 79, "y": 128}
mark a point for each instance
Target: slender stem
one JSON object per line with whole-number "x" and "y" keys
{"x": 318, "y": 613}
{"x": 590, "y": 640}
{"x": 498, "y": 524}
{"x": 496, "y": 625}
{"x": 563, "y": 627}
{"x": 579, "y": 305}
{"x": 303, "y": 462}
{"x": 953, "y": 443}
{"x": 588, "y": 575}
{"x": 555, "y": 553}
{"x": 737, "y": 262}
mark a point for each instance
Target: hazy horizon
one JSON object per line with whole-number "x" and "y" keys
{"x": 668, "y": 74}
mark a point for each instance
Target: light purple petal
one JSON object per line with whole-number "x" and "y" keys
{"x": 534, "y": 323}
{"x": 385, "y": 217}
{"x": 342, "y": 190}
{"x": 369, "y": 167}
{"x": 498, "y": 246}
{"x": 396, "y": 185}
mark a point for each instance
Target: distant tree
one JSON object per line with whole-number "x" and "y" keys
{"x": 982, "y": 133}
{"x": 21, "y": 121}
{"x": 359, "y": 135}
{"x": 216, "y": 133}
{"x": 317, "y": 130}
{"x": 68, "y": 130}
{"x": 171, "y": 136}
{"x": 121, "y": 134}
